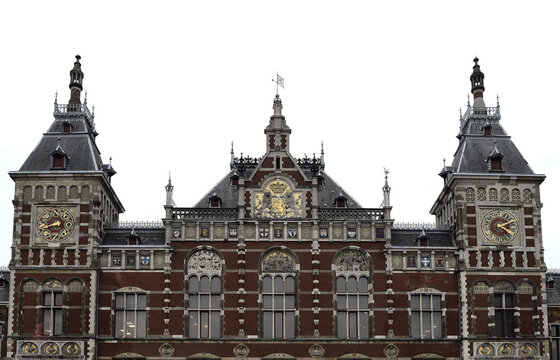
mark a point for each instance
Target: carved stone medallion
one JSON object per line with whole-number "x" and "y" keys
{"x": 205, "y": 261}
{"x": 278, "y": 261}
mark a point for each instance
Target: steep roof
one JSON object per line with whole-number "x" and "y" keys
{"x": 78, "y": 143}
{"x": 408, "y": 238}
{"x": 476, "y": 145}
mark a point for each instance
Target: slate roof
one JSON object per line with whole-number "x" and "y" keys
{"x": 146, "y": 236}
{"x": 79, "y": 144}
{"x": 475, "y": 148}
{"x": 230, "y": 194}
{"x": 5, "y": 290}
{"x": 408, "y": 237}
{"x": 553, "y": 295}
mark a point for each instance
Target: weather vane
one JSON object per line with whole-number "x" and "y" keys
{"x": 279, "y": 82}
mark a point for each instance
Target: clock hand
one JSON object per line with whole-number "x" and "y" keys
{"x": 508, "y": 231}
{"x": 509, "y": 222}
{"x": 56, "y": 223}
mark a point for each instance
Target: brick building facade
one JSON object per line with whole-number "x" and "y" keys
{"x": 276, "y": 261}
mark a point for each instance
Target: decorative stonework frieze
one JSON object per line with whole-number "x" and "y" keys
{"x": 204, "y": 261}
{"x": 278, "y": 261}
{"x": 352, "y": 260}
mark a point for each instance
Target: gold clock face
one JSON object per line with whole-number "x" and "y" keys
{"x": 55, "y": 224}
{"x": 500, "y": 227}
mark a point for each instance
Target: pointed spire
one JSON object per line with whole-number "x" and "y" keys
{"x": 386, "y": 190}
{"x": 76, "y": 79}
{"x": 232, "y": 157}
{"x": 477, "y": 85}
{"x": 322, "y": 155}
{"x": 169, "y": 192}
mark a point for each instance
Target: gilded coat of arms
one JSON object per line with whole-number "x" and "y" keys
{"x": 278, "y": 201}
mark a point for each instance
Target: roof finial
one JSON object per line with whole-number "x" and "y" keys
{"x": 76, "y": 79}
{"x": 497, "y": 100}
{"x": 85, "y": 98}
{"x": 56, "y": 97}
{"x": 110, "y": 160}
{"x": 443, "y": 162}
{"x": 169, "y": 192}
{"x": 386, "y": 189}
{"x": 468, "y": 100}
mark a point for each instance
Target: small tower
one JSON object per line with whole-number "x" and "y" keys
{"x": 277, "y": 132}
{"x": 477, "y": 85}
{"x": 76, "y": 78}
{"x": 169, "y": 193}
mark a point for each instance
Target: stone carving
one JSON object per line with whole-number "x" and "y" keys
{"x": 503, "y": 286}
{"x": 480, "y": 287}
{"x": 52, "y": 283}
{"x": 278, "y": 201}
{"x": 166, "y": 350}
{"x": 278, "y": 261}
{"x": 241, "y": 351}
{"x": 71, "y": 348}
{"x": 205, "y": 261}
{"x": 316, "y": 351}
{"x": 505, "y": 349}
{"x": 391, "y": 351}
{"x": 352, "y": 260}
{"x": 485, "y": 350}
{"x": 525, "y": 288}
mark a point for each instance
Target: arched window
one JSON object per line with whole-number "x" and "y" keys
{"x": 353, "y": 275}
{"x": 204, "y": 294}
{"x": 278, "y": 295}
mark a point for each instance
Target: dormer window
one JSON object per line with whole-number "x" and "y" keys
{"x": 132, "y": 238}
{"x": 423, "y": 241}
{"x": 320, "y": 181}
{"x": 234, "y": 180}
{"x": 496, "y": 164}
{"x": 58, "y": 161}
{"x": 550, "y": 283}
{"x": 215, "y": 201}
{"x": 487, "y": 129}
{"x": 66, "y": 127}
{"x": 341, "y": 202}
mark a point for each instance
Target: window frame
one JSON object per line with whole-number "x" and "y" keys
{"x": 278, "y": 312}
{"x": 357, "y": 313}
{"x": 52, "y": 312}
{"x": 429, "y": 310}
{"x": 555, "y": 341}
{"x": 123, "y": 313}
{"x": 507, "y": 314}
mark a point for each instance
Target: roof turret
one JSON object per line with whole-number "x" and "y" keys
{"x": 76, "y": 79}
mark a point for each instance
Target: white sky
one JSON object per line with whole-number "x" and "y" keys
{"x": 380, "y": 82}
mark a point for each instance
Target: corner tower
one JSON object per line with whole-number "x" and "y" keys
{"x": 491, "y": 201}
{"x": 63, "y": 199}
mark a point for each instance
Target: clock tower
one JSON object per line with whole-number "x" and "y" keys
{"x": 63, "y": 199}
{"x": 491, "y": 201}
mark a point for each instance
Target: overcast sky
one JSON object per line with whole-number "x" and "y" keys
{"x": 379, "y": 82}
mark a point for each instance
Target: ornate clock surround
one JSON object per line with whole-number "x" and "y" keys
{"x": 55, "y": 224}
{"x": 500, "y": 226}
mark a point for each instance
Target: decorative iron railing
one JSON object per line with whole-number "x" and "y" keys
{"x": 417, "y": 226}
{"x": 482, "y": 112}
{"x": 136, "y": 224}
{"x": 201, "y": 213}
{"x": 351, "y": 214}
{"x": 77, "y": 109}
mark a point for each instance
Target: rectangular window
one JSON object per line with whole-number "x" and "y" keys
{"x": 204, "y": 306}
{"x": 278, "y": 307}
{"x": 52, "y": 313}
{"x": 130, "y": 315}
{"x": 352, "y": 307}
{"x": 503, "y": 314}
{"x": 426, "y": 316}
{"x": 555, "y": 342}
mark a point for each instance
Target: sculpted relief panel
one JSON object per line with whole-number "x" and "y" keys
{"x": 278, "y": 201}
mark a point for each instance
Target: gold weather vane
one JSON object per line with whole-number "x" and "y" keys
{"x": 279, "y": 82}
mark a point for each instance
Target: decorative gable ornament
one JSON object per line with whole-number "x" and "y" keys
{"x": 278, "y": 201}
{"x": 352, "y": 260}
